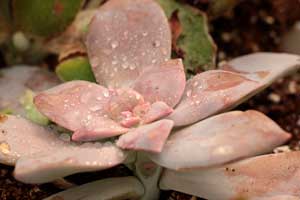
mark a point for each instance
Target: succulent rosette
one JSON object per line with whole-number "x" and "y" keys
{"x": 174, "y": 134}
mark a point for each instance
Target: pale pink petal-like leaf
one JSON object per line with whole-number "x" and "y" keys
{"x": 252, "y": 179}
{"x": 106, "y": 189}
{"x": 164, "y": 82}
{"x": 41, "y": 156}
{"x": 156, "y": 111}
{"x": 264, "y": 67}
{"x": 20, "y": 137}
{"x": 14, "y": 81}
{"x": 82, "y": 107}
{"x": 221, "y": 139}
{"x": 126, "y": 36}
{"x": 211, "y": 92}
{"x": 150, "y": 137}
{"x": 66, "y": 160}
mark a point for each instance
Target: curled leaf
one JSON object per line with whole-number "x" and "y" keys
{"x": 191, "y": 39}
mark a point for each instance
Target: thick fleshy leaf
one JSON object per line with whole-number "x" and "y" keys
{"x": 164, "y": 82}
{"x": 14, "y": 81}
{"x": 42, "y": 156}
{"x": 279, "y": 197}
{"x": 106, "y": 189}
{"x": 156, "y": 111}
{"x": 221, "y": 139}
{"x": 211, "y": 92}
{"x": 66, "y": 160}
{"x": 264, "y": 67}
{"x": 82, "y": 107}
{"x": 150, "y": 137}
{"x": 77, "y": 68}
{"x": 126, "y": 36}
{"x": 267, "y": 176}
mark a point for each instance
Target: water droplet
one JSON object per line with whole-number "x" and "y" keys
{"x": 132, "y": 67}
{"x": 125, "y": 65}
{"x": 115, "y": 69}
{"x": 95, "y": 108}
{"x": 145, "y": 34}
{"x": 124, "y": 58}
{"x": 114, "y": 62}
{"x": 195, "y": 84}
{"x": 153, "y": 61}
{"x": 156, "y": 43}
{"x": 114, "y": 44}
{"x": 188, "y": 93}
{"x": 106, "y": 93}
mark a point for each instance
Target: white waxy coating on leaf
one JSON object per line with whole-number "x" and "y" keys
{"x": 126, "y": 36}
{"x": 221, "y": 139}
{"x": 257, "y": 178}
{"x": 106, "y": 189}
{"x": 14, "y": 81}
{"x": 40, "y": 156}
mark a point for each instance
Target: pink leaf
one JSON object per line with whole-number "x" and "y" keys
{"x": 40, "y": 156}
{"x": 149, "y": 137}
{"x": 126, "y": 36}
{"x": 164, "y": 82}
{"x": 157, "y": 110}
{"x": 211, "y": 92}
{"x": 259, "y": 178}
{"x": 82, "y": 107}
{"x": 221, "y": 139}
{"x": 264, "y": 67}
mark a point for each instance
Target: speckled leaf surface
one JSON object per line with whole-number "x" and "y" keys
{"x": 106, "y": 189}
{"x": 191, "y": 39}
{"x": 44, "y": 18}
{"x": 41, "y": 155}
{"x": 80, "y": 106}
{"x": 221, "y": 139}
{"x": 211, "y": 92}
{"x": 164, "y": 82}
{"x": 263, "y": 177}
{"x": 124, "y": 37}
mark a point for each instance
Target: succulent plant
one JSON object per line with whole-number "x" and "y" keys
{"x": 174, "y": 134}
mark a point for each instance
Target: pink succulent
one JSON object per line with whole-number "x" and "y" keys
{"x": 141, "y": 97}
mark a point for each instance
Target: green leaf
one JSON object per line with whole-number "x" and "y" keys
{"x": 31, "y": 111}
{"x": 77, "y": 68}
{"x": 44, "y": 17}
{"x": 190, "y": 35}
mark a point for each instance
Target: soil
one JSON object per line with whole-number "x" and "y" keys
{"x": 252, "y": 26}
